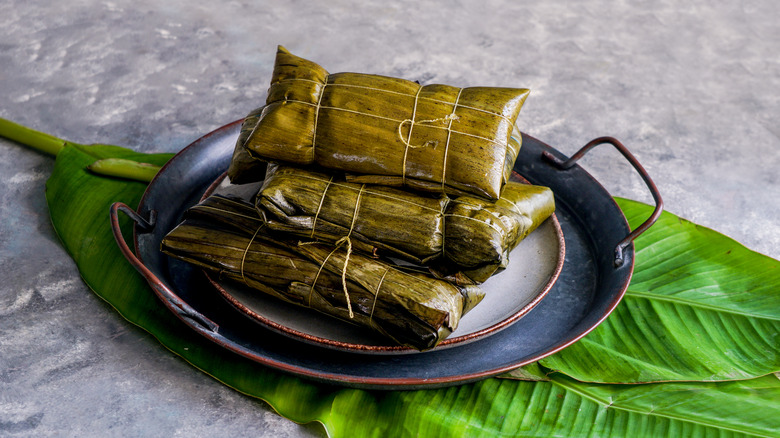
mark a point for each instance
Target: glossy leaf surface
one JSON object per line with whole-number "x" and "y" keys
{"x": 700, "y": 306}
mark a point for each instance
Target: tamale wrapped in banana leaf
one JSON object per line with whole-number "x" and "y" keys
{"x": 384, "y": 130}
{"x": 227, "y": 236}
{"x": 466, "y": 234}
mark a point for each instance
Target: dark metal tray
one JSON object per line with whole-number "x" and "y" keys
{"x": 596, "y": 272}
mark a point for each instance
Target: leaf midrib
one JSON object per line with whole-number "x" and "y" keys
{"x": 628, "y": 358}
{"x": 608, "y": 405}
{"x": 696, "y": 304}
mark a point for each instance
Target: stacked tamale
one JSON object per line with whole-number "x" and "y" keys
{"x": 464, "y": 237}
{"x": 385, "y": 130}
{"x": 382, "y": 202}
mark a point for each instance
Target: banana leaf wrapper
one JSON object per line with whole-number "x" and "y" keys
{"x": 384, "y": 130}
{"x": 480, "y": 234}
{"x": 465, "y": 239}
{"x": 245, "y": 168}
{"x": 226, "y": 236}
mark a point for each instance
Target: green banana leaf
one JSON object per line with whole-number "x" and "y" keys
{"x": 700, "y": 306}
{"x": 79, "y": 201}
{"x": 565, "y": 407}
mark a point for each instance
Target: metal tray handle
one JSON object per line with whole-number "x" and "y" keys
{"x": 172, "y": 301}
{"x": 659, "y": 203}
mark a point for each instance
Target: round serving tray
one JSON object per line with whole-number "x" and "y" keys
{"x": 509, "y": 295}
{"x": 596, "y": 272}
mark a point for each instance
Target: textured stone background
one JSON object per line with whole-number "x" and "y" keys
{"x": 690, "y": 87}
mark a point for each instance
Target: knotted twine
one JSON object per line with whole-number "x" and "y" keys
{"x": 346, "y": 239}
{"x": 407, "y": 141}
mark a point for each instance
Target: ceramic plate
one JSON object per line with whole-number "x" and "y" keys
{"x": 534, "y": 266}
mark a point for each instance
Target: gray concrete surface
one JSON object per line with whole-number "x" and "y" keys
{"x": 690, "y": 87}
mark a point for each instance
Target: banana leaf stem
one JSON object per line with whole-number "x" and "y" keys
{"x": 121, "y": 168}
{"x": 52, "y": 145}
{"x": 31, "y": 138}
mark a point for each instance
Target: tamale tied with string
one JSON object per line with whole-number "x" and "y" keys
{"x": 464, "y": 238}
{"x": 383, "y": 130}
{"x": 226, "y": 236}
